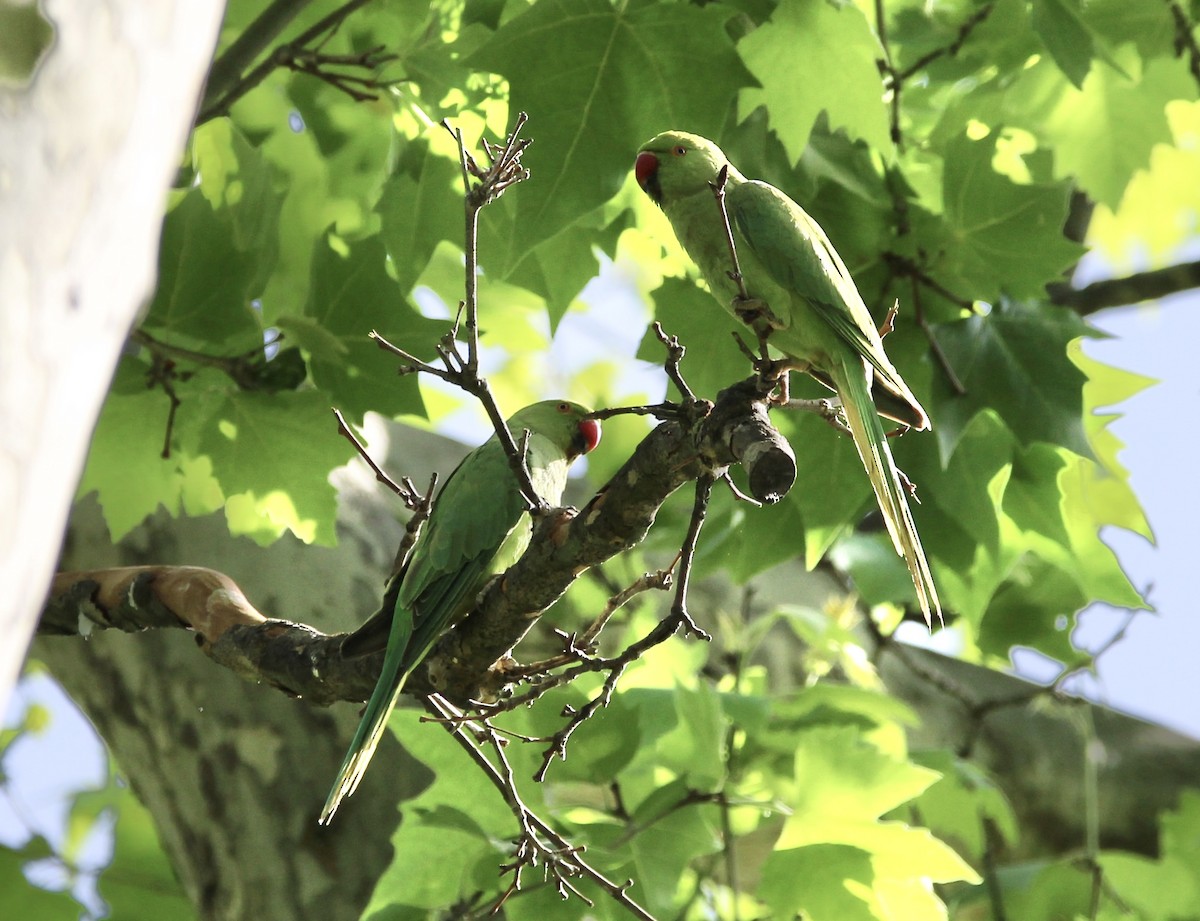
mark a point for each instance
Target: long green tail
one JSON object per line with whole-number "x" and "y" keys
{"x": 871, "y": 442}
{"x": 366, "y": 739}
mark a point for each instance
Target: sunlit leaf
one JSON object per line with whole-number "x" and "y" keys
{"x": 597, "y": 80}
{"x": 801, "y": 45}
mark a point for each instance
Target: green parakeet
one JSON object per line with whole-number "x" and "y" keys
{"x": 818, "y": 318}
{"x": 478, "y": 527}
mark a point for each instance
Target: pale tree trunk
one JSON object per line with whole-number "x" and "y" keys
{"x": 87, "y": 152}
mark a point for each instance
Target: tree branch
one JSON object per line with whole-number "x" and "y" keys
{"x": 1132, "y": 289}
{"x": 226, "y": 83}
{"x": 305, "y": 662}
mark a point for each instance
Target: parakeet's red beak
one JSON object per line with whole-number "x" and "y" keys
{"x": 645, "y": 170}
{"x": 589, "y": 434}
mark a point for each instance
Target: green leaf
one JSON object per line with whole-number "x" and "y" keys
{"x": 690, "y": 313}
{"x": 1154, "y": 218}
{"x": 1104, "y": 132}
{"x": 1014, "y": 361}
{"x": 421, "y": 205}
{"x": 349, "y": 297}
{"x": 1120, "y": 21}
{"x": 831, "y": 491}
{"x": 670, "y": 839}
{"x": 1033, "y": 498}
{"x": 695, "y": 749}
{"x": 205, "y": 281}
{"x": 1153, "y": 888}
{"x": 1007, "y": 622}
{"x": 235, "y": 176}
{"x": 20, "y": 898}
{"x": 597, "y": 81}
{"x": 560, "y": 268}
{"x": 125, "y": 466}
{"x": 802, "y": 45}
{"x": 1059, "y": 23}
{"x": 460, "y": 817}
{"x": 956, "y": 807}
{"x": 139, "y": 883}
{"x": 276, "y": 450}
{"x": 841, "y": 780}
{"x": 824, "y": 881}
{"x": 1002, "y": 237}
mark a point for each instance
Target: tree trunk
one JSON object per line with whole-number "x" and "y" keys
{"x": 87, "y": 152}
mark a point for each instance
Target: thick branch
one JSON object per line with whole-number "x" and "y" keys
{"x": 307, "y": 663}
{"x": 1118, "y": 292}
{"x": 228, "y": 68}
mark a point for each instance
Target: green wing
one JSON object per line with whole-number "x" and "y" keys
{"x": 478, "y": 526}
{"x": 794, "y": 251}
{"x": 478, "y": 508}
{"x": 472, "y": 516}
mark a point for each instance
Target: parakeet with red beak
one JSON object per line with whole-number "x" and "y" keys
{"x": 816, "y": 316}
{"x": 478, "y": 527}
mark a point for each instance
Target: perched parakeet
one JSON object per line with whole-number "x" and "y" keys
{"x": 478, "y": 527}
{"x": 818, "y": 318}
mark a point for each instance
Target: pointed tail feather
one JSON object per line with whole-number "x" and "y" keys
{"x": 366, "y": 739}
{"x": 871, "y": 442}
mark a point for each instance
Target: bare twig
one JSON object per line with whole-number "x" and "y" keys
{"x": 950, "y": 50}
{"x": 675, "y": 352}
{"x": 888, "y": 68}
{"x": 704, "y": 485}
{"x": 718, "y": 190}
{"x": 992, "y": 843}
{"x": 503, "y": 171}
{"x": 317, "y": 64}
{"x": 579, "y": 647}
{"x": 753, "y": 312}
{"x": 1185, "y": 39}
{"x": 943, "y": 360}
{"x": 246, "y": 370}
{"x": 537, "y": 835}
{"x": 163, "y": 374}
{"x": 663, "y": 411}
{"x": 1130, "y": 289}
{"x": 227, "y": 84}
{"x": 917, "y": 276}
{"x": 736, "y": 492}
{"x": 404, "y": 489}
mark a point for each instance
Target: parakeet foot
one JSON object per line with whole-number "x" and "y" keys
{"x": 756, "y": 313}
{"x": 829, "y": 409}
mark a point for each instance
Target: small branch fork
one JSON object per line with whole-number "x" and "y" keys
{"x": 538, "y": 842}
{"x": 903, "y": 266}
{"x": 420, "y": 505}
{"x": 894, "y": 77}
{"x": 228, "y": 84}
{"x": 251, "y": 371}
{"x": 504, "y": 170}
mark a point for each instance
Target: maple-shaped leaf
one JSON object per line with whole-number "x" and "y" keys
{"x": 350, "y": 296}
{"x": 1015, "y": 362}
{"x": 1001, "y": 237}
{"x": 597, "y": 81}
{"x": 801, "y": 46}
{"x": 205, "y": 281}
{"x": 276, "y": 450}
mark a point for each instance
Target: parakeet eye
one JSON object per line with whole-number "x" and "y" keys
{"x": 564, "y": 407}
{"x": 679, "y": 150}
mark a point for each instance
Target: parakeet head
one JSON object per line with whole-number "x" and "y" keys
{"x": 564, "y": 423}
{"x": 675, "y": 164}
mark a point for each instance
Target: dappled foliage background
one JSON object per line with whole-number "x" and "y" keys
{"x": 962, "y": 156}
